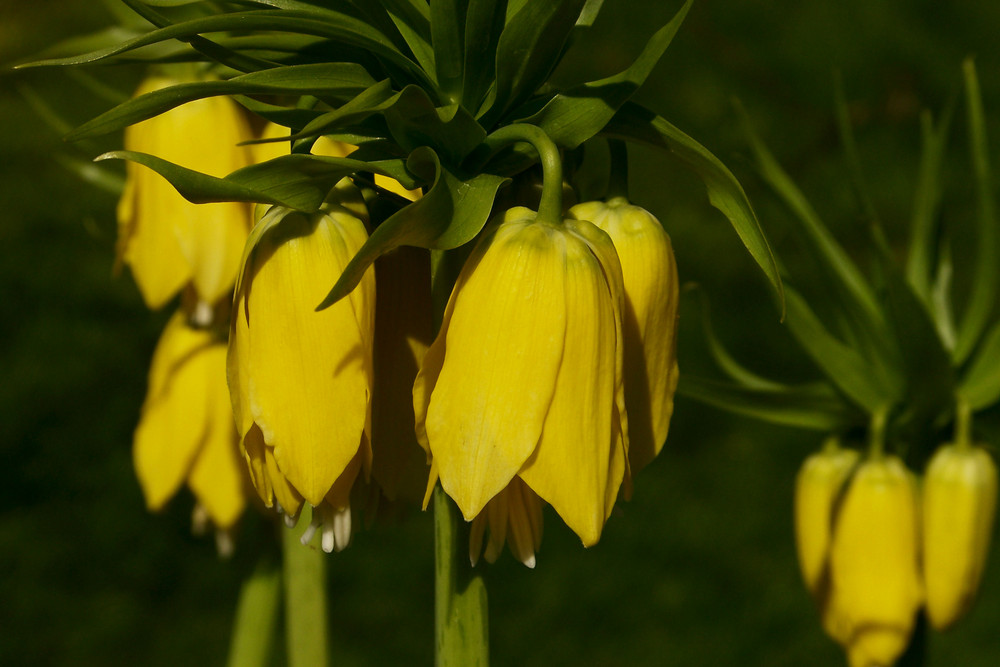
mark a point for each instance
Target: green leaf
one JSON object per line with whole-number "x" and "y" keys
{"x": 575, "y": 115}
{"x": 483, "y": 25}
{"x": 448, "y": 39}
{"x": 414, "y": 122}
{"x": 810, "y": 406}
{"x": 450, "y": 214}
{"x": 106, "y": 180}
{"x": 846, "y": 369}
{"x": 412, "y": 20}
{"x": 986, "y": 273}
{"x": 981, "y": 384}
{"x": 331, "y": 80}
{"x": 635, "y": 123}
{"x": 847, "y": 287}
{"x": 923, "y": 226}
{"x": 529, "y": 49}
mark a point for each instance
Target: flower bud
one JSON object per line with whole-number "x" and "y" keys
{"x": 875, "y": 588}
{"x": 960, "y": 493}
{"x": 817, "y": 487}
{"x": 649, "y": 319}
{"x": 525, "y": 377}
{"x": 301, "y": 380}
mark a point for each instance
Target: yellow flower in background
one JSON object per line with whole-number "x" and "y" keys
{"x": 817, "y": 487}
{"x": 166, "y": 240}
{"x": 649, "y": 320}
{"x": 525, "y": 376}
{"x": 186, "y": 431}
{"x": 875, "y": 588}
{"x": 301, "y": 380}
{"x": 959, "y": 504}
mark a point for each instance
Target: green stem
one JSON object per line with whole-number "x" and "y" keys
{"x": 963, "y": 424}
{"x": 550, "y": 206}
{"x": 618, "y": 177}
{"x": 252, "y": 642}
{"x": 460, "y": 606}
{"x": 876, "y": 434}
{"x": 305, "y": 602}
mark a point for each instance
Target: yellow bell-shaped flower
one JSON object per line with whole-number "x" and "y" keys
{"x": 959, "y": 503}
{"x": 166, "y": 240}
{"x": 649, "y": 320}
{"x": 525, "y": 376}
{"x": 875, "y": 588}
{"x": 186, "y": 431}
{"x": 817, "y": 487}
{"x": 301, "y": 380}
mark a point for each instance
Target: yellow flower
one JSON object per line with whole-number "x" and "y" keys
{"x": 875, "y": 588}
{"x": 186, "y": 431}
{"x": 166, "y": 240}
{"x": 301, "y": 380}
{"x": 960, "y": 494}
{"x": 649, "y": 320}
{"x": 525, "y": 376}
{"x": 817, "y": 486}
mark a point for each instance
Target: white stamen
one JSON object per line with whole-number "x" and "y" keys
{"x": 199, "y": 520}
{"x": 203, "y": 314}
{"x": 342, "y": 528}
{"x": 530, "y": 561}
{"x": 224, "y": 543}
{"x": 309, "y": 532}
{"x": 328, "y": 540}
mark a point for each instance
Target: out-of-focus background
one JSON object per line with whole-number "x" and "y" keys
{"x": 698, "y": 569}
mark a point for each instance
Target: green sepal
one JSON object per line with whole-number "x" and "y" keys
{"x": 528, "y": 50}
{"x": 986, "y": 266}
{"x": 450, "y": 214}
{"x": 981, "y": 384}
{"x": 635, "y": 123}
{"x": 323, "y": 80}
{"x": 573, "y": 116}
{"x": 851, "y": 373}
{"x": 811, "y": 406}
{"x": 297, "y": 181}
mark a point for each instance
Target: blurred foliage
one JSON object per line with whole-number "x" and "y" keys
{"x": 698, "y": 569}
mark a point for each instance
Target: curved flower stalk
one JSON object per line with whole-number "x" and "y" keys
{"x": 960, "y": 495}
{"x": 167, "y": 241}
{"x": 649, "y": 320}
{"x": 524, "y": 379}
{"x": 186, "y": 430}
{"x": 301, "y": 380}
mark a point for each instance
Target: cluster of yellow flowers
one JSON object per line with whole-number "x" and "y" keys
{"x": 551, "y": 378}
{"x": 874, "y": 547}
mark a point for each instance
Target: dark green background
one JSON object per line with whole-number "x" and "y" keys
{"x": 698, "y": 569}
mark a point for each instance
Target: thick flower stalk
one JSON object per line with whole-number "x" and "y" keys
{"x": 300, "y": 379}
{"x": 524, "y": 380}
{"x": 649, "y": 320}
{"x": 167, "y": 241}
{"x": 875, "y": 587}
{"x": 959, "y": 504}
{"x": 186, "y": 430}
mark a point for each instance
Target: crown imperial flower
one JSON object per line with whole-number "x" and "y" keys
{"x": 525, "y": 376}
{"x": 301, "y": 380}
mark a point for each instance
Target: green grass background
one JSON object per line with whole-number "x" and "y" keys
{"x": 698, "y": 569}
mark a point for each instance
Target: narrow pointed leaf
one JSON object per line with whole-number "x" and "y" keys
{"x": 981, "y": 385}
{"x": 635, "y": 123}
{"x": 412, "y": 20}
{"x": 575, "y": 115}
{"x": 812, "y": 406}
{"x": 484, "y": 22}
{"x": 448, "y": 39}
{"x": 450, "y": 214}
{"x": 986, "y": 268}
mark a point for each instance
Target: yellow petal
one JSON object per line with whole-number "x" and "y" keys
{"x": 492, "y": 369}
{"x": 402, "y": 336}
{"x": 309, "y": 373}
{"x": 289, "y": 500}
{"x": 176, "y": 415}
{"x": 960, "y": 493}
{"x": 255, "y": 454}
{"x": 237, "y": 360}
{"x": 569, "y": 469}
{"x": 217, "y": 477}
{"x": 649, "y": 320}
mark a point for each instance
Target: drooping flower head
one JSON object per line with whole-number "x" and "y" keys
{"x": 301, "y": 379}
{"x": 649, "y": 320}
{"x": 524, "y": 379}
{"x": 186, "y": 430}
{"x": 167, "y": 241}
